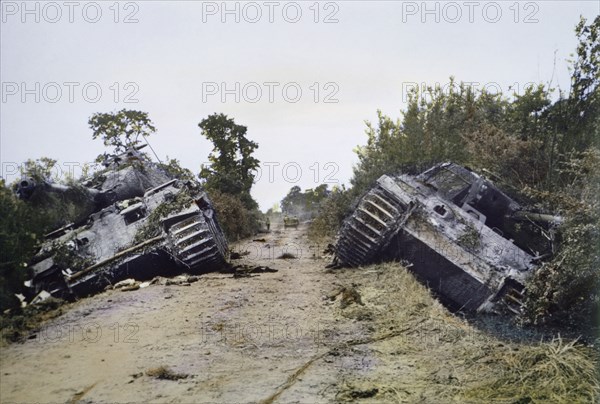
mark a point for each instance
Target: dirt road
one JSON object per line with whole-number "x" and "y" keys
{"x": 299, "y": 335}
{"x": 229, "y": 339}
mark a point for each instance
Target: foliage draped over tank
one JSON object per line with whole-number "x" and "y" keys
{"x": 543, "y": 144}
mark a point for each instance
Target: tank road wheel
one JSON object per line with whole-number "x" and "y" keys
{"x": 512, "y": 295}
{"x": 198, "y": 243}
{"x": 378, "y": 217}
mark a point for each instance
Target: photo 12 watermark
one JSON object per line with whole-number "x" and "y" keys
{"x": 453, "y": 12}
{"x": 91, "y": 332}
{"x": 293, "y": 172}
{"x": 428, "y": 90}
{"x": 259, "y": 333}
{"x": 53, "y": 12}
{"x": 290, "y": 172}
{"x": 59, "y": 173}
{"x": 252, "y": 12}
{"x": 290, "y": 92}
{"x": 69, "y": 92}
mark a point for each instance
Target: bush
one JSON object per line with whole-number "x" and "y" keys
{"x": 332, "y": 212}
{"x": 236, "y": 221}
{"x": 567, "y": 288}
{"x": 19, "y": 232}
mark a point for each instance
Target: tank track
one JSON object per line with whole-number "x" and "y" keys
{"x": 197, "y": 243}
{"x": 378, "y": 217}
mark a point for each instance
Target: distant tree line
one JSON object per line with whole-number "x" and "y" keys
{"x": 304, "y": 204}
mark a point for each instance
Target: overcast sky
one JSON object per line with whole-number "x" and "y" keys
{"x": 302, "y": 76}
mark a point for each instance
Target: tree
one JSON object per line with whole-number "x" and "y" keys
{"x": 121, "y": 129}
{"x": 304, "y": 203}
{"x": 19, "y": 231}
{"x": 293, "y": 201}
{"x": 232, "y": 163}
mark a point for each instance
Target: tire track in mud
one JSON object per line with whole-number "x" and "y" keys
{"x": 292, "y": 379}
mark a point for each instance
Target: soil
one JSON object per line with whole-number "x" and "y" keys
{"x": 237, "y": 339}
{"x": 300, "y": 334}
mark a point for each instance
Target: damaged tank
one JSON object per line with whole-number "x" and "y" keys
{"x": 136, "y": 221}
{"x": 472, "y": 244}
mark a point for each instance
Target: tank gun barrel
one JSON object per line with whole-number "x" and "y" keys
{"x": 61, "y": 189}
{"x": 538, "y": 217}
{"x": 27, "y": 186}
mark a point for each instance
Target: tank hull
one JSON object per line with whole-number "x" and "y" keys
{"x": 449, "y": 247}
{"x": 156, "y": 225}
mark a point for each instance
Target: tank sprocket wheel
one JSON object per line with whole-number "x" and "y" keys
{"x": 374, "y": 222}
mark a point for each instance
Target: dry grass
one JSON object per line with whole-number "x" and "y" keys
{"x": 18, "y": 326}
{"x": 218, "y": 327}
{"x": 164, "y": 373}
{"x": 556, "y": 371}
{"x": 449, "y": 359}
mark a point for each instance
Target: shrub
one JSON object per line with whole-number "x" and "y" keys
{"x": 19, "y": 231}
{"x": 332, "y": 212}
{"x": 567, "y": 288}
{"x": 236, "y": 221}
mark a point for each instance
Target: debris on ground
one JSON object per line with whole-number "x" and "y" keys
{"x": 245, "y": 271}
{"x": 238, "y": 255}
{"x": 182, "y": 280}
{"x": 41, "y": 297}
{"x": 164, "y": 373}
{"x": 125, "y": 283}
{"x": 349, "y": 295}
{"x": 135, "y": 286}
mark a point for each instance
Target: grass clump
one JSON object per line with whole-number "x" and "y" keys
{"x": 557, "y": 372}
{"x": 164, "y": 373}
{"x": 470, "y": 239}
{"x": 20, "y": 323}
